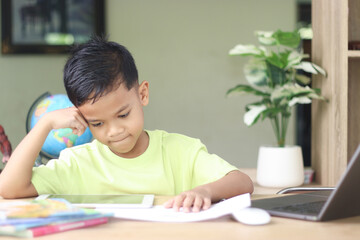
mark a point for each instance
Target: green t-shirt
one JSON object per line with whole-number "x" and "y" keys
{"x": 171, "y": 164}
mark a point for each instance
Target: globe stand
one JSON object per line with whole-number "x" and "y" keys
{"x": 38, "y": 161}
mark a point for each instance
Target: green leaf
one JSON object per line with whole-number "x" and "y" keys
{"x": 253, "y": 114}
{"x": 289, "y": 91}
{"x": 302, "y": 79}
{"x": 258, "y": 103}
{"x": 294, "y": 58}
{"x": 280, "y": 60}
{"x": 319, "y": 69}
{"x": 265, "y": 38}
{"x": 289, "y": 39}
{"x": 241, "y": 88}
{"x": 246, "y": 50}
{"x": 255, "y": 72}
{"x": 300, "y": 100}
{"x": 283, "y": 102}
{"x": 277, "y": 76}
{"x": 293, "y": 94}
{"x": 275, "y": 60}
{"x": 316, "y": 95}
{"x": 306, "y": 33}
{"x": 310, "y": 68}
{"x": 317, "y": 91}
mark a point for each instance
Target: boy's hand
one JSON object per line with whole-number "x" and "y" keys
{"x": 194, "y": 200}
{"x": 67, "y": 118}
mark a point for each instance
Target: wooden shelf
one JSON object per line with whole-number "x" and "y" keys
{"x": 354, "y": 53}
{"x": 335, "y": 124}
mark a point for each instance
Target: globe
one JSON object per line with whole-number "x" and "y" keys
{"x": 58, "y": 139}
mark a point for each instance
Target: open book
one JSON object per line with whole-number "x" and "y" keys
{"x": 161, "y": 214}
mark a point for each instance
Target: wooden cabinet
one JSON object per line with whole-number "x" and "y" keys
{"x": 336, "y": 124}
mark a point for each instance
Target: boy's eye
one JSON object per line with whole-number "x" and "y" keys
{"x": 97, "y": 124}
{"x": 124, "y": 115}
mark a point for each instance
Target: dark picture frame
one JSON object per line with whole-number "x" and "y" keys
{"x": 49, "y": 26}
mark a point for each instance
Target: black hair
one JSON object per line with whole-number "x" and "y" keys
{"x": 95, "y": 68}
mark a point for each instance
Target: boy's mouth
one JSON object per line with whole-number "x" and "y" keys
{"x": 119, "y": 139}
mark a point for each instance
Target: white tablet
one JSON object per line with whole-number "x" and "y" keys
{"x": 106, "y": 200}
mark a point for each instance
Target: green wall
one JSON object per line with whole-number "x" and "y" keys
{"x": 181, "y": 48}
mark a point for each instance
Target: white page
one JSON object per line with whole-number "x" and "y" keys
{"x": 162, "y": 214}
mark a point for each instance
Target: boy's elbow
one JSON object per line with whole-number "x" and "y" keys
{"x": 240, "y": 183}
{"x": 250, "y": 186}
{"x": 4, "y": 193}
{"x": 9, "y": 192}
{"x": 247, "y": 184}
{"x": 8, "y": 196}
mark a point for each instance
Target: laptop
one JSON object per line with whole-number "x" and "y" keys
{"x": 342, "y": 202}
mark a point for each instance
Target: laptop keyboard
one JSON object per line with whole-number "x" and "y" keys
{"x": 310, "y": 207}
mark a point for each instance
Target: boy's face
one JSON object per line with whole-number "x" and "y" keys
{"x": 117, "y": 119}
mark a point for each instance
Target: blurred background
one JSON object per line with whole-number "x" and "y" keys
{"x": 181, "y": 48}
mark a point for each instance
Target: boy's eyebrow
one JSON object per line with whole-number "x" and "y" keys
{"x": 122, "y": 109}
{"x": 117, "y": 112}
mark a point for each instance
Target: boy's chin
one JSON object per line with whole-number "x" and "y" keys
{"x": 123, "y": 152}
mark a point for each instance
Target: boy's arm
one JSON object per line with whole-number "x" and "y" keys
{"x": 15, "y": 179}
{"x": 232, "y": 184}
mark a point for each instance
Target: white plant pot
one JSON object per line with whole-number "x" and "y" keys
{"x": 280, "y": 167}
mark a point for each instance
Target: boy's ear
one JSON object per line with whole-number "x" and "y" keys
{"x": 144, "y": 93}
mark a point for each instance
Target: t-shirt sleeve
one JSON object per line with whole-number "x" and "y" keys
{"x": 53, "y": 177}
{"x": 208, "y": 167}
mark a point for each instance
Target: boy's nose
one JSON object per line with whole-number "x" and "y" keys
{"x": 115, "y": 130}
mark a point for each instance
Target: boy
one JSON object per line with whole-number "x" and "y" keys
{"x": 101, "y": 80}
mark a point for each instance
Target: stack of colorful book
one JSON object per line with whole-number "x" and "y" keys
{"x": 33, "y": 218}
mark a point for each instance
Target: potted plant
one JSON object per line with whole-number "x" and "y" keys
{"x": 277, "y": 74}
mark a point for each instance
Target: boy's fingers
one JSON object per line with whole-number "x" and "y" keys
{"x": 78, "y": 131}
{"x": 178, "y": 201}
{"x": 169, "y": 203}
{"x": 80, "y": 124}
{"x": 188, "y": 202}
{"x": 197, "y": 204}
{"x": 78, "y": 128}
{"x": 207, "y": 203}
{"x": 81, "y": 119}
